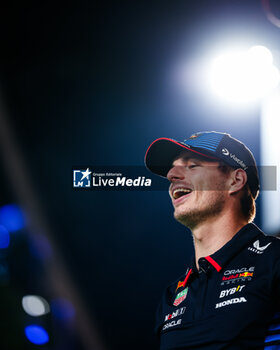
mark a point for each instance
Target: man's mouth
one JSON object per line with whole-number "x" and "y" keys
{"x": 180, "y": 192}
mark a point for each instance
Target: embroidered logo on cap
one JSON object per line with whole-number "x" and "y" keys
{"x": 240, "y": 162}
{"x": 194, "y": 136}
{"x": 225, "y": 151}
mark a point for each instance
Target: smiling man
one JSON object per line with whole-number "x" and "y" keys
{"x": 229, "y": 296}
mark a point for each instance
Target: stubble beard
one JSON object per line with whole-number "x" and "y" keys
{"x": 194, "y": 218}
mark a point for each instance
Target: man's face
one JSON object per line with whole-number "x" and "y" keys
{"x": 197, "y": 189}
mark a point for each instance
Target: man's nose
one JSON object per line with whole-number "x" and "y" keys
{"x": 176, "y": 173}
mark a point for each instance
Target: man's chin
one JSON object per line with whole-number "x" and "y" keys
{"x": 189, "y": 220}
{"x": 195, "y": 217}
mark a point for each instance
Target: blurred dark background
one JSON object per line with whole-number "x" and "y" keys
{"x": 91, "y": 84}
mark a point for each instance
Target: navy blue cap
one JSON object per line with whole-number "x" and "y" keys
{"x": 209, "y": 144}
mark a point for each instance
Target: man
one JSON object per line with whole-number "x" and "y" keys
{"x": 229, "y": 297}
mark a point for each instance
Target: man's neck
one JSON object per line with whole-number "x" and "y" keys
{"x": 212, "y": 235}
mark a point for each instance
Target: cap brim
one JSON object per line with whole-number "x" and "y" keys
{"x": 162, "y": 152}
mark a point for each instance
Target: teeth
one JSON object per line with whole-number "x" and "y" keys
{"x": 179, "y": 192}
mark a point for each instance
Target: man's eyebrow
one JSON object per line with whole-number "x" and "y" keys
{"x": 192, "y": 159}
{"x": 187, "y": 158}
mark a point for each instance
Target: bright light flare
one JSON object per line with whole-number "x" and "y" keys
{"x": 270, "y": 145}
{"x": 242, "y": 77}
{"x": 260, "y": 56}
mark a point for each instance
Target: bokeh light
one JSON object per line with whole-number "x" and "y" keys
{"x": 36, "y": 334}
{"x": 40, "y": 247}
{"x": 4, "y": 237}
{"x": 35, "y": 305}
{"x": 63, "y": 309}
{"x": 11, "y": 216}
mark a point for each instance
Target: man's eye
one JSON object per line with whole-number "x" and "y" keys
{"x": 192, "y": 166}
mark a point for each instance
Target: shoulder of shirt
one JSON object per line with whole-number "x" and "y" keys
{"x": 268, "y": 238}
{"x": 273, "y": 241}
{"x": 172, "y": 287}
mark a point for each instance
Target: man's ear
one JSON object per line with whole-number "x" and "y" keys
{"x": 238, "y": 180}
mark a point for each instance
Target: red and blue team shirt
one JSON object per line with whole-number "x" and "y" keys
{"x": 231, "y": 302}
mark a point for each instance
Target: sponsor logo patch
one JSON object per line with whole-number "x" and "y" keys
{"x": 237, "y": 275}
{"x": 230, "y": 302}
{"x": 180, "y": 297}
{"x": 243, "y": 269}
{"x": 230, "y": 291}
{"x": 172, "y": 324}
{"x": 180, "y": 284}
{"x": 174, "y": 314}
{"x": 257, "y": 249}
{"x": 246, "y": 274}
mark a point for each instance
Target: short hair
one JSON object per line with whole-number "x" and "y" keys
{"x": 248, "y": 204}
{"x": 247, "y": 201}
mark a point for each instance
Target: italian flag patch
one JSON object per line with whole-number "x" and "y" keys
{"x": 180, "y": 297}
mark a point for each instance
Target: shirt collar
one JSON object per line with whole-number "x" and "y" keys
{"x": 241, "y": 239}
